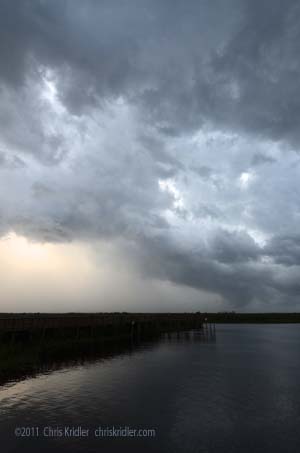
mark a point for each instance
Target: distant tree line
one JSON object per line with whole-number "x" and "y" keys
{"x": 233, "y": 317}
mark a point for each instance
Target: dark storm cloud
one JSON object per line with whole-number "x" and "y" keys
{"x": 262, "y": 63}
{"x": 239, "y": 282}
{"x": 261, "y": 159}
{"x": 285, "y": 249}
{"x": 236, "y": 63}
{"x": 235, "y": 271}
{"x": 151, "y": 52}
{"x": 99, "y": 101}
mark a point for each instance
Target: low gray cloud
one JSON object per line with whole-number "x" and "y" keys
{"x": 285, "y": 249}
{"x": 261, "y": 159}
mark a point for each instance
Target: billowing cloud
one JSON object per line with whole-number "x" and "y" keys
{"x": 169, "y": 130}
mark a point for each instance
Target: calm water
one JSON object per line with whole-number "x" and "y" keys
{"x": 238, "y": 394}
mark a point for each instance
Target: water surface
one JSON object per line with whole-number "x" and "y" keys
{"x": 240, "y": 393}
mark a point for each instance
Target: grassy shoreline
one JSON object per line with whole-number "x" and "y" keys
{"x": 232, "y": 316}
{"x": 253, "y": 318}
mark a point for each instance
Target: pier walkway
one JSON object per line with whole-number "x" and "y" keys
{"x": 96, "y": 324}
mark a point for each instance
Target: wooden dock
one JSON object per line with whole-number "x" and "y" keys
{"x": 106, "y": 325}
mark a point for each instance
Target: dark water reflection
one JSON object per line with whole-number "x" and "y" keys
{"x": 237, "y": 394}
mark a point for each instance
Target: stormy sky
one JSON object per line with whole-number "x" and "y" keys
{"x": 149, "y": 155}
